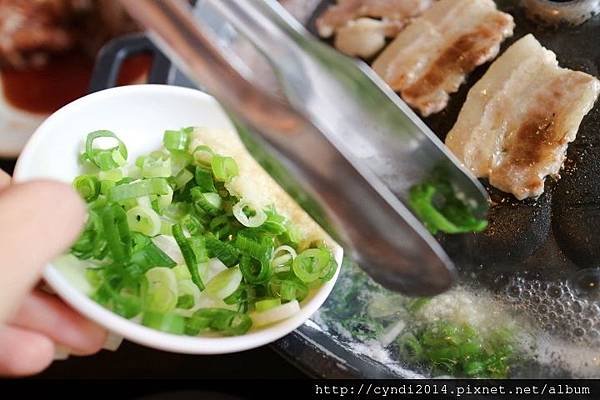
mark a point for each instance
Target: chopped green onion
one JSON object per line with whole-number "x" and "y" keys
{"x": 91, "y": 243}
{"x": 280, "y": 260}
{"x": 105, "y": 159}
{"x": 276, "y": 314}
{"x": 165, "y": 227}
{"x": 150, "y": 255}
{"x": 328, "y": 273}
{"x": 176, "y": 140}
{"x": 292, "y": 235}
{"x": 189, "y": 297}
{"x": 125, "y": 305}
{"x": 152, "y": 186}
{"x": 179, "y": 161}
{"x": 224, "y": 284}
{"x": 203, "y": 155}
{"x": 225, "y": 252}
{"x": 460, "y": 350}
{"x": 221, "y": 226}
{"x": 118, "y": 236}
{"x": 156, "y": 166}
{"x": 224, "y": 168}
{"x": 164, "y": 200}
{"x": 112, "y": 175}
{"x": 310, "y": 265}
{"x": 161, "y": 294}
{"x": 255, "y": 271}
{"x": 182, "y": 273}
{"x": 267, "y": 304}
{"x": 258, "y": 250}
{"x": 186, "y": 301}
{"x": 287, "y": 289}
{"x": 87, "y": 186}
{"x": 144, "y": 220}
{"x": 191, "y": 224}
{"x": 208, "y": 202}
{"x": 106, "y": 187}
{"x": 171, "y": 243}
{"x": 240, "y": 296}
{"x": 204, "y": 180}
{"x": 275, "y": 223}
{"x": 183, "y": 178}
{"x": 226, "y": 322}
{"x": 188, "y": 255}
{"x": 166, "y": 322}
{"x": 253, "y": 221}
{"x": 292, "y": 290}
{"x": 198, "y": 245}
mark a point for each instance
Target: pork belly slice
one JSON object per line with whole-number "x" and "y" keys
{"x": 431, "y": 57}
{"x": 363, "y": 37}
{"x": 518, "y": 120}
{"x": 393, "y": 13}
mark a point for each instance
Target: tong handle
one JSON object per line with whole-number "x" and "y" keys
{"x": 374, "y": 222}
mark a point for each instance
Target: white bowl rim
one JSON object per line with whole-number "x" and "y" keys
{"x": 131, "y": 330}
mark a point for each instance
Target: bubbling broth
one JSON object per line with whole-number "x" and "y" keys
{"x": 559, "y": 308}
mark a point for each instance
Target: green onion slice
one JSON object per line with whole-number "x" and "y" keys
{"x": 161, "y": 295}
{"x": 224, "y": 168}
{"x": 287, "y": 289}
{"x": 176, "y": 140}
{"x": 116, "y": 230}
{"x": 166, "y": 322}
{"x": 182, "y": 178}
{"x": 188, "y": 255}
{"x": 224, "y": 251}
{"x": 204, "y": 180}
{"x": 144, "y": 220}
{"x": 267, "y": 304}
{"x": 282, "y": 257}
{"x": 87, "y": 186}
{"x": 311, "y": 264}
{"x": 255, "y": 271}
{"x": 189, "y": 297}
{"x": 105, "y": 159}
{"x": 203, "y": 155}
{"x": 157, "y": 165}
{"x": 226, "y": 322}
{"x": 276, "y": 314}
{"x": 253, "y": 221}
{"x": 209, "y": 202}
{"x": 224, "y": 284}
{"x": 152, "y": 186}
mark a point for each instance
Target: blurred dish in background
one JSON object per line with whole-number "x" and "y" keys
{"x": 47, "y": 51}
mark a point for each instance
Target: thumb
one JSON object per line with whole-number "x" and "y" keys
{"x": 38, "y": 221}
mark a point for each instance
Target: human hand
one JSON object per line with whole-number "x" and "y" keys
{"x": 39, "y": 221}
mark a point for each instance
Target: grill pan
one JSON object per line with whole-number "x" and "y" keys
{"x": 555, "y": 235}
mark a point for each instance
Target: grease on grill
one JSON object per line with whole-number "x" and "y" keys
{"x": 516, "y": 230}
{"x": 555, "y": 12}
{"x": 576, "y": 206}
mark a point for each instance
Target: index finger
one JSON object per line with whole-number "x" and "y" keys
{"x": 4, "y": 179}
{"x": 39, "y": 221}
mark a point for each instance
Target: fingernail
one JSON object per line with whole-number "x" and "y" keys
{"x": 61, "y": 352}
{"x": 113, "y": 341}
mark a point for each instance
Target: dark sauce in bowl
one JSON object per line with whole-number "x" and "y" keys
{"x": 63, "y": 79}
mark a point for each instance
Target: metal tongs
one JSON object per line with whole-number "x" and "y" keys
{"x": 352, "y": 143}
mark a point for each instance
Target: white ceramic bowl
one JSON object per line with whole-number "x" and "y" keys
{"x": 138, "y": 115}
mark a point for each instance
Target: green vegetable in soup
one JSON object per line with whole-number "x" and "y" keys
{"x": 437, "y": 205}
